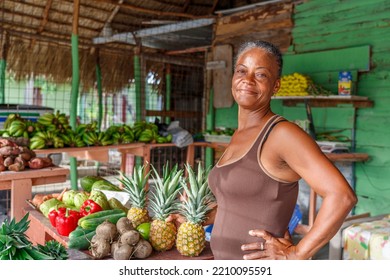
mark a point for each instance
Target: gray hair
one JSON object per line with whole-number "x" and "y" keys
{"x": 266, "y": 46}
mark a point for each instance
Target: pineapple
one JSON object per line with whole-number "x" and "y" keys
{"x": 135, "y": 187}
{"x": 191, "y": 235}
{"x": 163, "y": 202}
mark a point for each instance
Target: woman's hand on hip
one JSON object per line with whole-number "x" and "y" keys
{"x": 269, "y": 247}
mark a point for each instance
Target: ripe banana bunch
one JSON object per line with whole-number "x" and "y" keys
{"x": 300, "y": 85}
{"x": 96, "y": 138}
{"x": 294, "y": 85}
{"x": 45, "y": 139}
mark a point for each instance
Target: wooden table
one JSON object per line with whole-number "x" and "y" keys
{"x": 21, "y": 184}
{"x": 41, "y": 231}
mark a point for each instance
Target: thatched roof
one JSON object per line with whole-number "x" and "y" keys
{"x": 36, "y": 34}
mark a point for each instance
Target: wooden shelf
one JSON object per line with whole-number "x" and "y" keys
{"x": 21, "y": 183}
{"x": 326, "y": 101}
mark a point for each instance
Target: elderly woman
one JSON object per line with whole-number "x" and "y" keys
{"x": 255, "y": 181}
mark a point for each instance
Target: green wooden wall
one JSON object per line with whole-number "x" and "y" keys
{"x": 334, "y": 25}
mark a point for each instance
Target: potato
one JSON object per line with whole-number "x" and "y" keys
{"x": 130, "y": 237}
{"x": 143, "y": 249}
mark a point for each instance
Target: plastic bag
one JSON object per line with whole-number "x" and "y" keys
{"x": 180, "y": 137}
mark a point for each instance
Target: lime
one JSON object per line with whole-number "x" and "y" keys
{"x": 144, "y": 230}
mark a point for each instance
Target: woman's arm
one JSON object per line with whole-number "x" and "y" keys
{"x": 300, "y": 156}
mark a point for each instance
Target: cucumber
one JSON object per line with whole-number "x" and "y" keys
{"x": 93, "y": 223}
{"x": 81, "y": 242}
{"x": 79, "y": 231}
{"x": 99, "y": 214}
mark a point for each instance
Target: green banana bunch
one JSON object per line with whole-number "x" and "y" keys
{"x": 111, "y": 130}
{"x": 46, "y": 119}
{"x": 71, "y": 139}
{"x": 46, "y": 139}
{"x": 140, "y": 126}
{"x": 84, "y": 128}
{"x": 123, "y": 134}
{"x": 10, "y": 119}
{"x": 17, "y": 127}
{"x": 96, "y": 139}
{"x": 164, "y": 139}
{"x": 148, "y": 136}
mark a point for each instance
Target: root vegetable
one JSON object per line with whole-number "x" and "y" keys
{"x": 123, "y": 252}
{"x": 7, "y": 151}
{"x": 20, "y": 160}
{"x": 36, "y": 163}
{"x": 6, "y": 142}
{"x": 143, "y": 249}
{"x": 107, "y": 231}
{"x": 8, "y": 161}
{"x": 16, "y": 167}
{"x": 130, "y": 237}
{"x": 123, "y": 225}
{"x": 40, "y": 162}
{"x": 25, "y": 156}
{"x": 2, "y": 167}
{"x": 100, "y": 248}
{"x": 114, "y": 245}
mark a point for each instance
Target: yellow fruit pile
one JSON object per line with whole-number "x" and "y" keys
{"x": 297, "y": 84}
{"x": 293, "y": 85}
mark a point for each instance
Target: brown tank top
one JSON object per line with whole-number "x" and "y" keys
{"x": 248, "y": 198}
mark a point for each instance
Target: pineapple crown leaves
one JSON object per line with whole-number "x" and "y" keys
{"x": 135, "y": 185}
{"x": 164, "y": 200}
{"x": 199, "y": 195}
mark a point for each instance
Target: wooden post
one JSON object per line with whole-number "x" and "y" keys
{"x": 99, "y": 89}
{"x": 168, "y": 79}
{"x": 75, "y": 88}
{"x": 137, "y": 78}
{"x": 209, "y": 156}
{"x": 3, "y": 65}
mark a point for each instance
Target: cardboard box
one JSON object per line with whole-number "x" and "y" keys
{"x": 368, "y": 241}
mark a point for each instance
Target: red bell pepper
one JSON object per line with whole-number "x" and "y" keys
{"x": 54, "y": 213}
{"x": 89, "y": 206}
{"x": 66, "y": 222}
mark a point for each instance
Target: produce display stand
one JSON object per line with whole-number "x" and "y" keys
{"x": 41, "y": 231}
{"x": 98, "y": 153}
{"x": 21, "y": 184}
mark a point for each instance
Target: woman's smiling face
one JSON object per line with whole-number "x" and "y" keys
{"x": 255, "y": 78}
